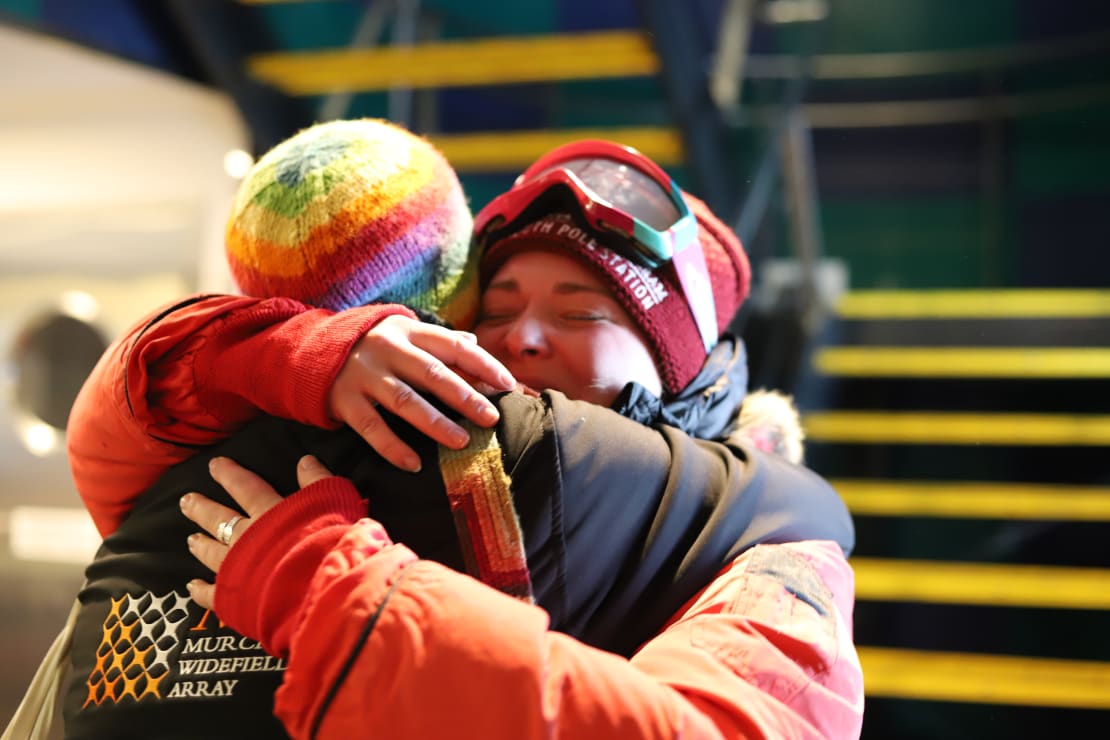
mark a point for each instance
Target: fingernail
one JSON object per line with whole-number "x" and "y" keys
{"x": 470, "y": 337}
{"x": 191, "y": 586}
{"x": 487, "y": 411}
{"x": 308, "y": 461}
{"x": 508, "y": 382}
{"x": 212, "y": 464}
{"x": 412, "y": 463}
{"x": 186, "y": 501}
{"x": 192, "y": 540}
{"x": 459, "y": 439}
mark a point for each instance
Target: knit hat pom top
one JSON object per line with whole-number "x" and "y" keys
{"x": 347, "y": 213}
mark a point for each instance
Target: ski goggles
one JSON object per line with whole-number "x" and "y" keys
{"x": 616, "y": 190}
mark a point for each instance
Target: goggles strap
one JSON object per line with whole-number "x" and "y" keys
{"x": 693, "y": 276}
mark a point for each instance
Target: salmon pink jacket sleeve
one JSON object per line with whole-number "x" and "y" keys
{"x": 381, "y": 643}
{"x": 189, "y": 375}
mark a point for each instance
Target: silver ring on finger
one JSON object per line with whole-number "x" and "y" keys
{"x": 224, "y": 530}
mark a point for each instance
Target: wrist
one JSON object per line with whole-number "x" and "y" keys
{"x": 322, "y": 356}
{"x": 262, "y": 582}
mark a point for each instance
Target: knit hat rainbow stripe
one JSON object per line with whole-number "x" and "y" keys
{"x": 352, "y": 212}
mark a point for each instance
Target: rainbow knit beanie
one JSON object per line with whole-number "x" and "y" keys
{"x": 352, "y": 212}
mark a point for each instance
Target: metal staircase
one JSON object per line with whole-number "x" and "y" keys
{"x": 968, "y": 433}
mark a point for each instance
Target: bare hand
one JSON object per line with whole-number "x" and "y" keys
{"x": 396, "y": 360}
{"x": 253, "y": 494}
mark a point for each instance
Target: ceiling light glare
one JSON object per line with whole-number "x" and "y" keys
{"x": 237, "y": 163}
{"x": 51, "y": 534}
{"x": 80, "y": 305}
{"x": 38, "y": 437}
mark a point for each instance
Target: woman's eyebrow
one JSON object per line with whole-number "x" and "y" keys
{"x": 570, "y": 288}
{"x": 567, "y": 287}
{"x": 506, "y": 284}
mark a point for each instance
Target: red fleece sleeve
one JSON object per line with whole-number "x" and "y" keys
{"x": 192, "y": 381}
{"x": 192, "y": 373}
{"x": 262, "y": 583}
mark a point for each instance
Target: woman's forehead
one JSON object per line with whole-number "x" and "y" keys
{"x": 546, "y": 264}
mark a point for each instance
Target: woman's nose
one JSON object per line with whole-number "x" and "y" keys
{"x": 525, "y": 336}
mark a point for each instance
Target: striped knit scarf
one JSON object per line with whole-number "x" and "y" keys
{"x": 485, "y": 519}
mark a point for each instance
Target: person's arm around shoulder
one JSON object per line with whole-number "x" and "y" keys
{"x": 146, "y": 406}
{"x": 190, "y": 374}
{"x": 378, "y": 640}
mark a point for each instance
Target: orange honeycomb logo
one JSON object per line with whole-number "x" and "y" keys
{"x": 140, "y": 634}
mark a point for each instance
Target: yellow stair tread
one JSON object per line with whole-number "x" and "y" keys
{"x": 476, "y": 62}
{"x": 514, "y": 150}
{"x": 964, "y": 362}
{"x": 974, "y": 499}
{"x": 982, "y": 584}
{"x": 1003, "y": 303}
{"x": 984, "y": 679}
{"x": 956, "y": 428}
